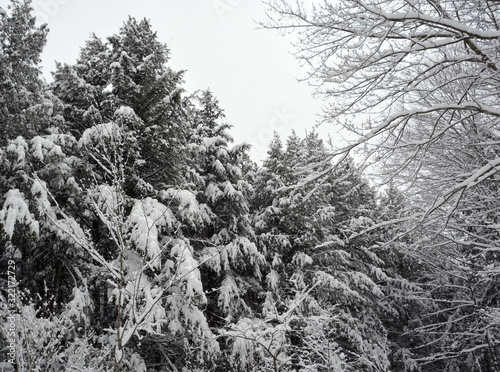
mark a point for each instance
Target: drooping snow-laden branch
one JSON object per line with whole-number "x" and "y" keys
{"x": 406, "y": 78}
{"x": 416, "y": 83}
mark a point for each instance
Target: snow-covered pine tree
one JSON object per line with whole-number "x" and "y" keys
{"x": 155, "y": 282}
{"x": 26, "y": 108}
{"x": 307, "y": 231}
{"x": 21, "y": 44}
{"x": 50, "y": 266}
{"x": 224, "y": 239}
{"x": 31, "y": 144}
{"x": 104, "y": 193}
{"x": 132, "y": 126}
{"x": 141, "y": 80}
{"x": 84, "y": 88}
{"x": 129, "y": 70}
{"x": 406, "y": 302}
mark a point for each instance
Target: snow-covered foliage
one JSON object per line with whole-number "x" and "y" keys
{"x": 307, "y": 237}
{"x": 15, "y": 211}
{"x": 415, "y": 85}
{"x": 26, "y": 109}
{"x": 225, "y": 240}
{"x": 145, "y": 240}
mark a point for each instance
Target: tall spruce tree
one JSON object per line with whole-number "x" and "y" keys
{"x": 308, "y": 235}
{"x": 25, "y": 107}
{"x": 124, "y": 105}
{"x": 86, "y": 208}
{"x": 126, "y": 212}
{"x": 225, "y": 240}
{"x": 129, "y": 70}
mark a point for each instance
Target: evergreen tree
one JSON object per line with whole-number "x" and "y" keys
{"x": 224, "y": 238}
{"x": 129, "y": 70}
{"x": 308, "y": 235}
{"x": 25, "y": 108}
{"x": 88, "y": 213}
{"x": 406, "y": 299}
{"x": 146, "y": 240}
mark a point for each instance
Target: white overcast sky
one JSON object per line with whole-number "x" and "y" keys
{"x": 251, "y": 71}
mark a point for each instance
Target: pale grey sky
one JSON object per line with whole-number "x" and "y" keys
{"x": 251, "y": 71}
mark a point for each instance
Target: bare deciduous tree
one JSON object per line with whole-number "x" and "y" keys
{"x": 417, "y": 83}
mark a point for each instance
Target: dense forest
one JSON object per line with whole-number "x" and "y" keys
{"x": 135, "y": 235}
